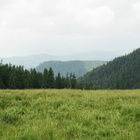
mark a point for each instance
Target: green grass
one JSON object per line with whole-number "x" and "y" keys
{"x": 69, "y": 114}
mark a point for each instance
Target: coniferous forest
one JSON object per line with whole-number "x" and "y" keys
{"x": 16, "y": 77}
{"x": 120, "y": 73}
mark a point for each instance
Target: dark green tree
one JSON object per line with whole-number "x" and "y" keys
{"x": 50, "y": 78}
{"x": 12, "y": 83}
{"x": 67, "y": 81}
{"x": 45, "y": 83}
{"x": 58, "y": 82}
{"x": 73, "y": 81}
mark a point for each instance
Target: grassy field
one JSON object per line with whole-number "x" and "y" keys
{"x": 69, "y": 114}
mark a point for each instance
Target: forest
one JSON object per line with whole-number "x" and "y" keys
{"x": 121, "y": 73}
{"x": 79, "y": 68}
{"x": 16, "y": 77}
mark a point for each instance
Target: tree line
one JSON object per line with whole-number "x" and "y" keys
{"x": 16, "y": 77}
{"x": 121, "y": 73}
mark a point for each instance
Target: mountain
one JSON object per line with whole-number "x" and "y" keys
{"x": 122, "y": 72}
{"x": 34, "y": 60}
{"x": 93, "y": 55}
{"x": 79, "y": 68}
{"x": 28, "y": 61}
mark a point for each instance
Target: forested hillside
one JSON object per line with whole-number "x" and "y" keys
{"x": 33, "y": 61}
{"x": 121, "y": 73}
{"x": 78, "y": 67}
{"x": 16, "y": 77}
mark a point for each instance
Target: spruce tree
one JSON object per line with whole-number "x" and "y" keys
{"x": 51, "y": 78}
{"x": 58, "y": 82}
{"x": 45, "y": 79}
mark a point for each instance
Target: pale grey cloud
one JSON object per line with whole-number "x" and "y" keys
{"x": 136, "y": 10}
{"x": 95, "y": 17}
{"x": 68, "y": 26}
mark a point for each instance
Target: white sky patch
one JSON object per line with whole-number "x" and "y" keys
{"x": 136, "y": 10}
{"x": 64, "y": 26}
{"x": 95, "y": 17}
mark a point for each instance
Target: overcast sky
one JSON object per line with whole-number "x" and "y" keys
{"x": 59, "y": 27}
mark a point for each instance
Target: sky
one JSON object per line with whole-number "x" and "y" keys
{"x": 62, "y": 27}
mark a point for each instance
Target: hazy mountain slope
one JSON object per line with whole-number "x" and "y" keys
{"x": 28, "y": 61}
{"x": 34, "y": 60}
{"x": 122, "y": 72}
{"x": 78, "y": 67}
{"x": 93, "y": 55}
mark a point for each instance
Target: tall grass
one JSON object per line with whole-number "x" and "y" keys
{"x": 69, "y": 114}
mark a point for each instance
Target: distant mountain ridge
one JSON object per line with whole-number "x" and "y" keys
{"x": 34, "y": 60}
{"x": 30, "y": 61}
{"x": 121, "y": 73}
{"x": 79, "y": 68}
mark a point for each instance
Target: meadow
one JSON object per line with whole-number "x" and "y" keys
{"x": 69, "y": 114}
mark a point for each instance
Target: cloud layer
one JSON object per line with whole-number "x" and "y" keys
{"x": 68, "y": 26}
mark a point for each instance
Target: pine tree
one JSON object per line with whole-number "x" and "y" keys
{"x": 12, "y": 79}
{"x": 67, "y": 82}
{"x": 45, "y": 79}
{"x": 73, "y": 81}
{"x": 51, "y": 78}
{"x": 58, "y": 82}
